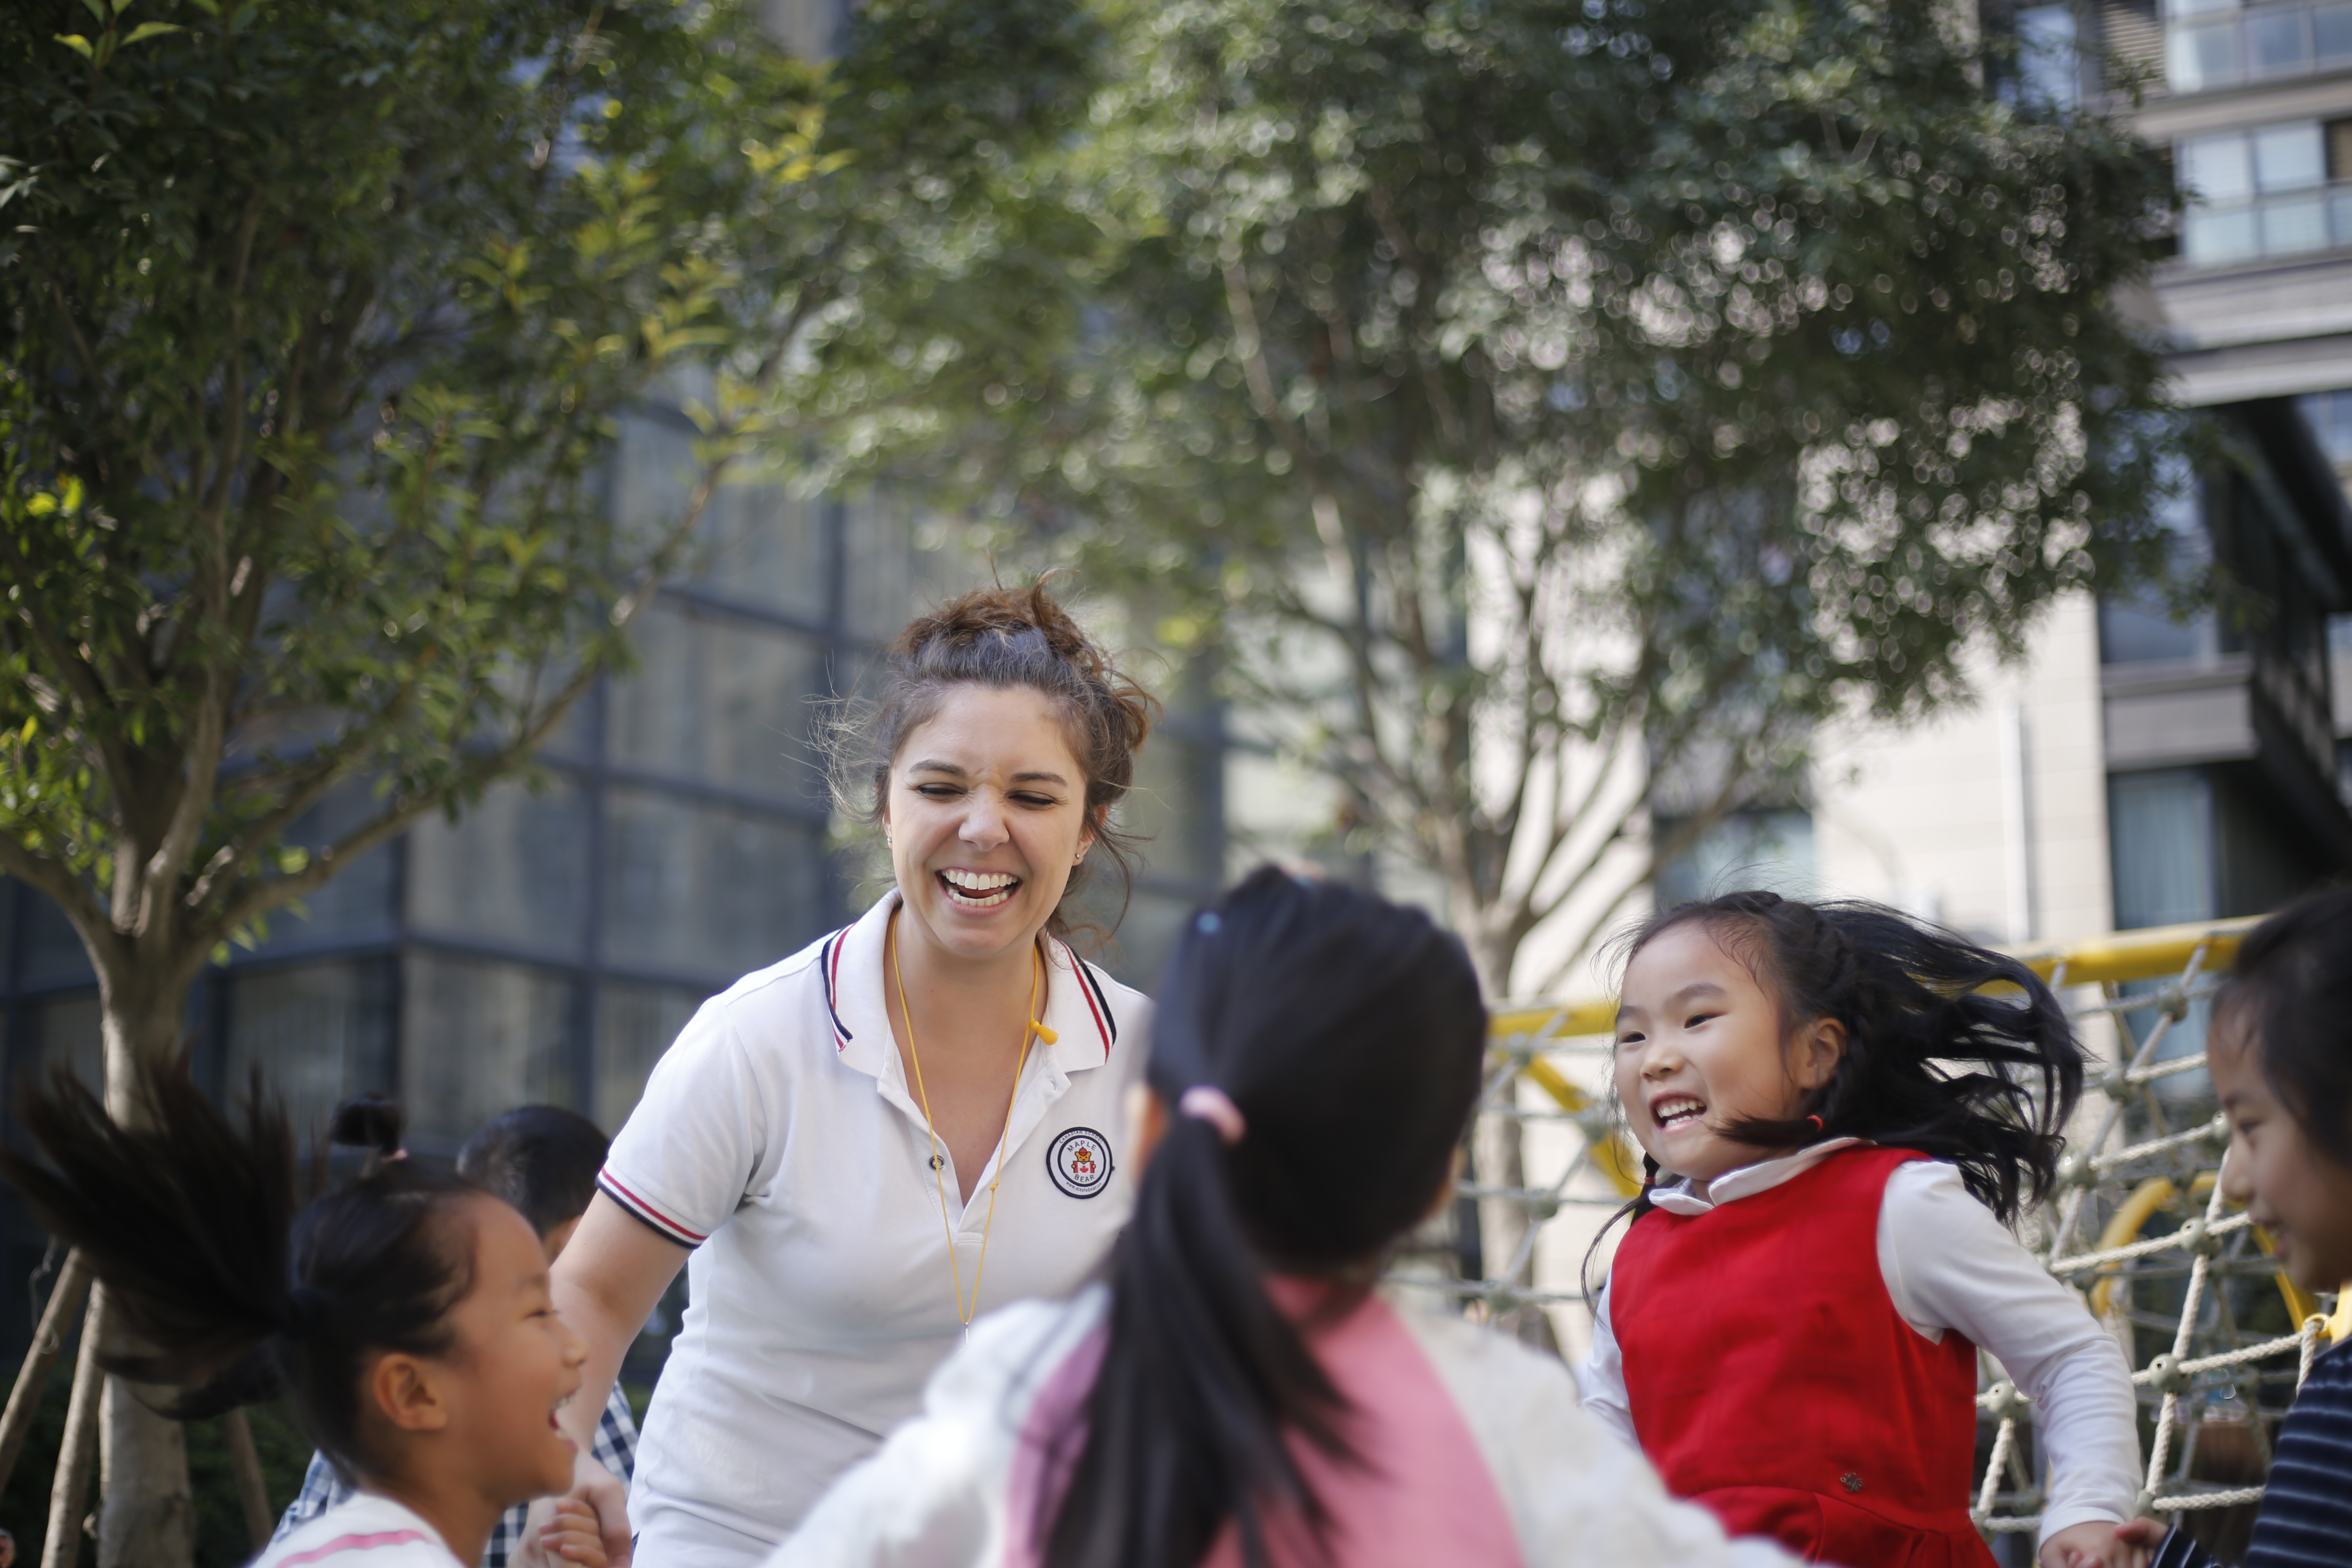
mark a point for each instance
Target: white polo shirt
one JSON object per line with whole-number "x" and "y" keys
{"x": 779, "y": 1138}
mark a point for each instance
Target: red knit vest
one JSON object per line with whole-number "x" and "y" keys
{"x": 1772, "y": 1380}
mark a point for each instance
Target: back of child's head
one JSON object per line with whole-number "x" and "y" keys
{"x": 193, "y": 1226}
{"x": 1318, "y": 1051}
{"x": 542, "y": 1158}
{"x": 2289, "y": 997}
{"x": 1951, "y": 1048}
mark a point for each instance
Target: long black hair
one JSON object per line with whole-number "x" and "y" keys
{"x": 2290, "y": 996}
{"x": 191, "y": 1222}
{"x": 1952, "y": 1049}
{"x": 1348, "y": 1033}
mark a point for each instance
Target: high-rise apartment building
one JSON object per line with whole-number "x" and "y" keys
{"x": 2137, "y": 770}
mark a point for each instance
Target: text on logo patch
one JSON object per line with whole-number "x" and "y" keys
{"x": 1079, "y": 1162}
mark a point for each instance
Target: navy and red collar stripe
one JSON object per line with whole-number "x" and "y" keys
{"x": 828, "y": 962}
{"x": 1106, "y": 1021}
{"x": 653, "y": 1219}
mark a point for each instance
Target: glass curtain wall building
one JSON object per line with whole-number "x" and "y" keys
{"x": 549, "y": 944}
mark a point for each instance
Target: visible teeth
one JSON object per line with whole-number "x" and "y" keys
{"x": 1667, "y": 1112}
{"x": 982, "y": 887}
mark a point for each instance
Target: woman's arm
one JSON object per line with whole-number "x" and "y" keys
{"x": 607, "y": 1282}
{"x": 610, "y": 1274}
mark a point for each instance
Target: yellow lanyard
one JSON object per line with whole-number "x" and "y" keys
{"x": 938, "y": 1165}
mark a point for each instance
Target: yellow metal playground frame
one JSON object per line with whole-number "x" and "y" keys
{"x": 2193, "y": 957}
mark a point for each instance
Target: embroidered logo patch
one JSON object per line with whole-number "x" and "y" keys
{"x": 1079, "y": 1162}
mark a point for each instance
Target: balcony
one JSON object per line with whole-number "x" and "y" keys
{"x": 2211, "y": 44}
{"x": 2290, "y": 223}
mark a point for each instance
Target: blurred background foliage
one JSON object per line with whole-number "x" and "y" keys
{"x": 1529, "y": 401}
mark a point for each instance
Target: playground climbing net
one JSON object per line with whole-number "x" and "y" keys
{"x": 2218, "y": 1337}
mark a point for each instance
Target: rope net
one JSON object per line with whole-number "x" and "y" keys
{"x": 2137, "y": 1225}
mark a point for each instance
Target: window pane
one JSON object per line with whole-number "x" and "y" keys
{"x": 2161, "y": 838}
{"x": 878, "y": 541}
{"x": 2289, "y": 157}
{"x": 2331, "y": 34}
{"x": 2216, "y": 169}
{"x": 2045, "y": 52}
{"x": 2339, "y": 216}
{"x": 2204, "y": 56}
{"x": 64, "y": 1033}
{"x": 762, "y": 545}
{"x": 635, "y": 1027}
{"x": 53, "y": 954}
{"x": 2330, "y": 418}
{"x": 2275, "y": 44}
{"x": 513, "y": 870}
{"x": 2137, "y": 632}
{"x": 700, "y": 889}
{"x": 754, "y": 542}
{"x": 2197, "y": 7}
{"x": 2290, "y": 226}
{"x": 719, "y": 701}
{"x": 359, "y": 904}
{"x": 2211, "y": 237}
{"x": 653, "y": 474}
{"x": 898, "y": 562}
{"x": 319, "y": 1035}
{"x": 479, "y": 1038}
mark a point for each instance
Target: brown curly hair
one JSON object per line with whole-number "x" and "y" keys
{"x": 1004, "y": 638}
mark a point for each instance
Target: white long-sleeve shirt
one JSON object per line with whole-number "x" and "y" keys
{"x": 1951, "y": 1268}
{"x": 1543, "y": 1484}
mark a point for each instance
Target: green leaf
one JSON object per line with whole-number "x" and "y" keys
{"x": 146, "y": 30}
{"x": 78, "y": 44}
{"x": 98, "y": 9}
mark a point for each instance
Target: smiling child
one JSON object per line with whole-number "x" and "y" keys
{"x": 407, "y": 1313}
{"x": 2280, "y": 1055}
{"x": 1791, "y": 1327}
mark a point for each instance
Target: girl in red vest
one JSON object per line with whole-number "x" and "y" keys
{"x": 1838, "y": 1123}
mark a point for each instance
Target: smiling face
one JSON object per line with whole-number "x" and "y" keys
{"x": 986, "y": 813}
{"x": 2292, "y": 1190}
{"x": 1700, "y": 1046}
{"x": 521, "y": 1365}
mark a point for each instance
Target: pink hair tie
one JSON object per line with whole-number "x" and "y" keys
{"x": 1204, "y": 1102}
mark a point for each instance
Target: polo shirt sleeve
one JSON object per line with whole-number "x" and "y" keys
{"x": 695, "y": 1146}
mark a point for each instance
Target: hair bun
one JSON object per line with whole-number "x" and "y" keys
{"x": 1027, "y": 620}
{"x": 370, "y": 1121}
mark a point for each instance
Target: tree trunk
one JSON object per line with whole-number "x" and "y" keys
{"x": 48, "y": 1339}
{"x": 1496, "y": 1145}
{"x": 147, "y": 1518}
{"x": 70, "y": 1484}
{"x": 252, "y": 1488}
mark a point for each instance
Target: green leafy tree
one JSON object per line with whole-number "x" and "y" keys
{"x": 1550, "y": 413}
{"x": 1539, "y": 405}
{"x": 318, "y": 317}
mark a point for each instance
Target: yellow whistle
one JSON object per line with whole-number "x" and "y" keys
{"x": 1043, "y": 1033}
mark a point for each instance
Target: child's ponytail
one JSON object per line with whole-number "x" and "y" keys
{"x": 1318, "y": 1051}
{"x": 191, "y": 1222}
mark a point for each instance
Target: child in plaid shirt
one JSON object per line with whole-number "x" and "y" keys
{"x": 543, "y": 1160}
